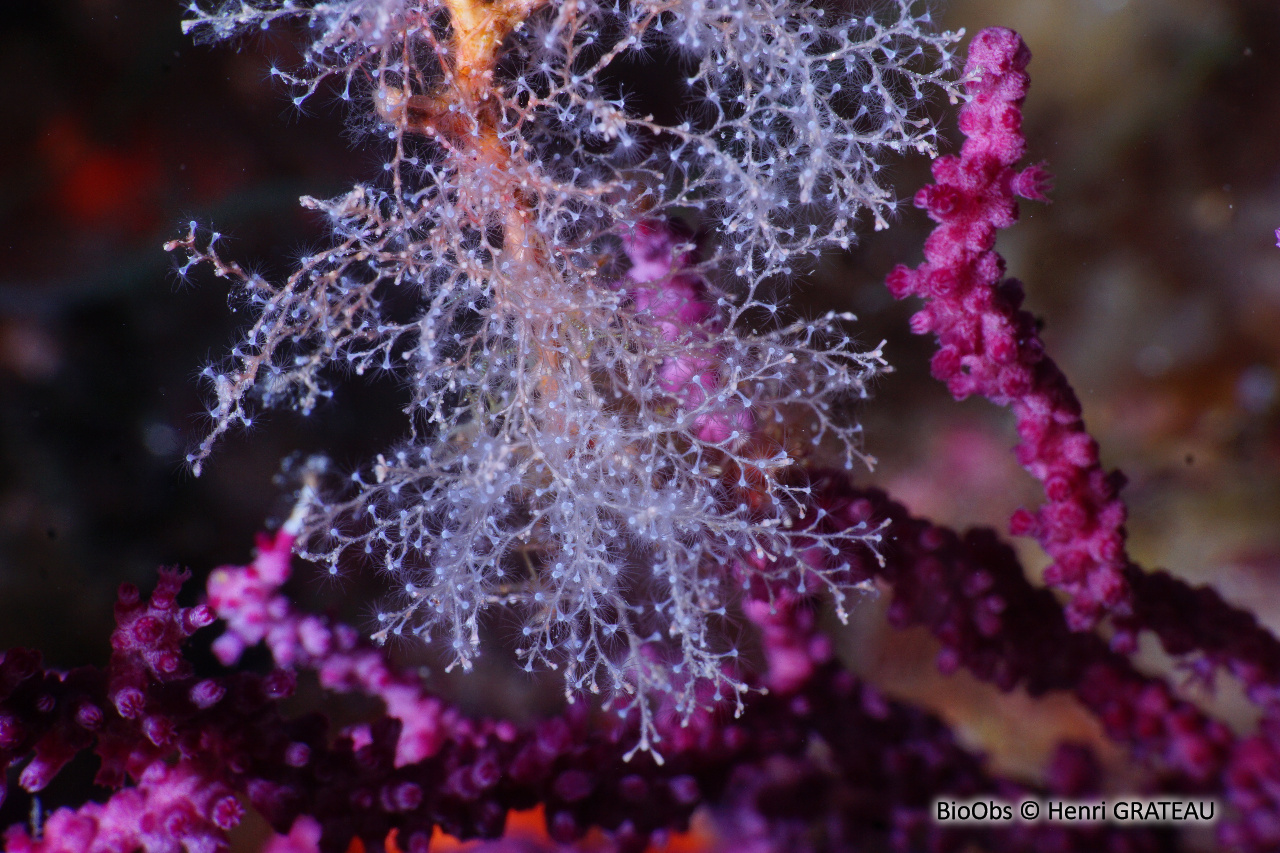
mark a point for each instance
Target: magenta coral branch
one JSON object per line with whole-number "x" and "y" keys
{"x": 422, "y": 764}
{"x": 1196, "y": 619}
{"x": 145, "y": 709}
{"x": 464, "y": 774}
{"x": 971, "y": 593}
{"x": 671, "y": 299}
{"x": 988, "y": 346}
{"x": 172, "y": 810}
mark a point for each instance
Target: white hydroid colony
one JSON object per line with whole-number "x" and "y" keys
{"x": 604, "y": 430}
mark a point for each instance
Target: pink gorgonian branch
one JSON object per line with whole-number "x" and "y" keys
{"x": 463, "y": 774}
{"x": 971, "y": 592}
{"x": 989, "y": 346}
{"x": 421, "y": 764}
{"x": 670, "y": 297}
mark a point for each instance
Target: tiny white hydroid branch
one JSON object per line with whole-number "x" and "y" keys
{"x": 606, "y": 433}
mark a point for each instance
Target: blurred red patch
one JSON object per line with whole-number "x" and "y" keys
{"x": 532, "y": 826}
{"x": 97, "y": 186}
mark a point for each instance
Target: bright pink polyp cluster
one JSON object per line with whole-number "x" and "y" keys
{"x": 987, "y": 345}
{"x": 672, "y": 299}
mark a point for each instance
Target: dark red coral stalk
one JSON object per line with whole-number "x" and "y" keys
{"x": 971, "y": 592}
